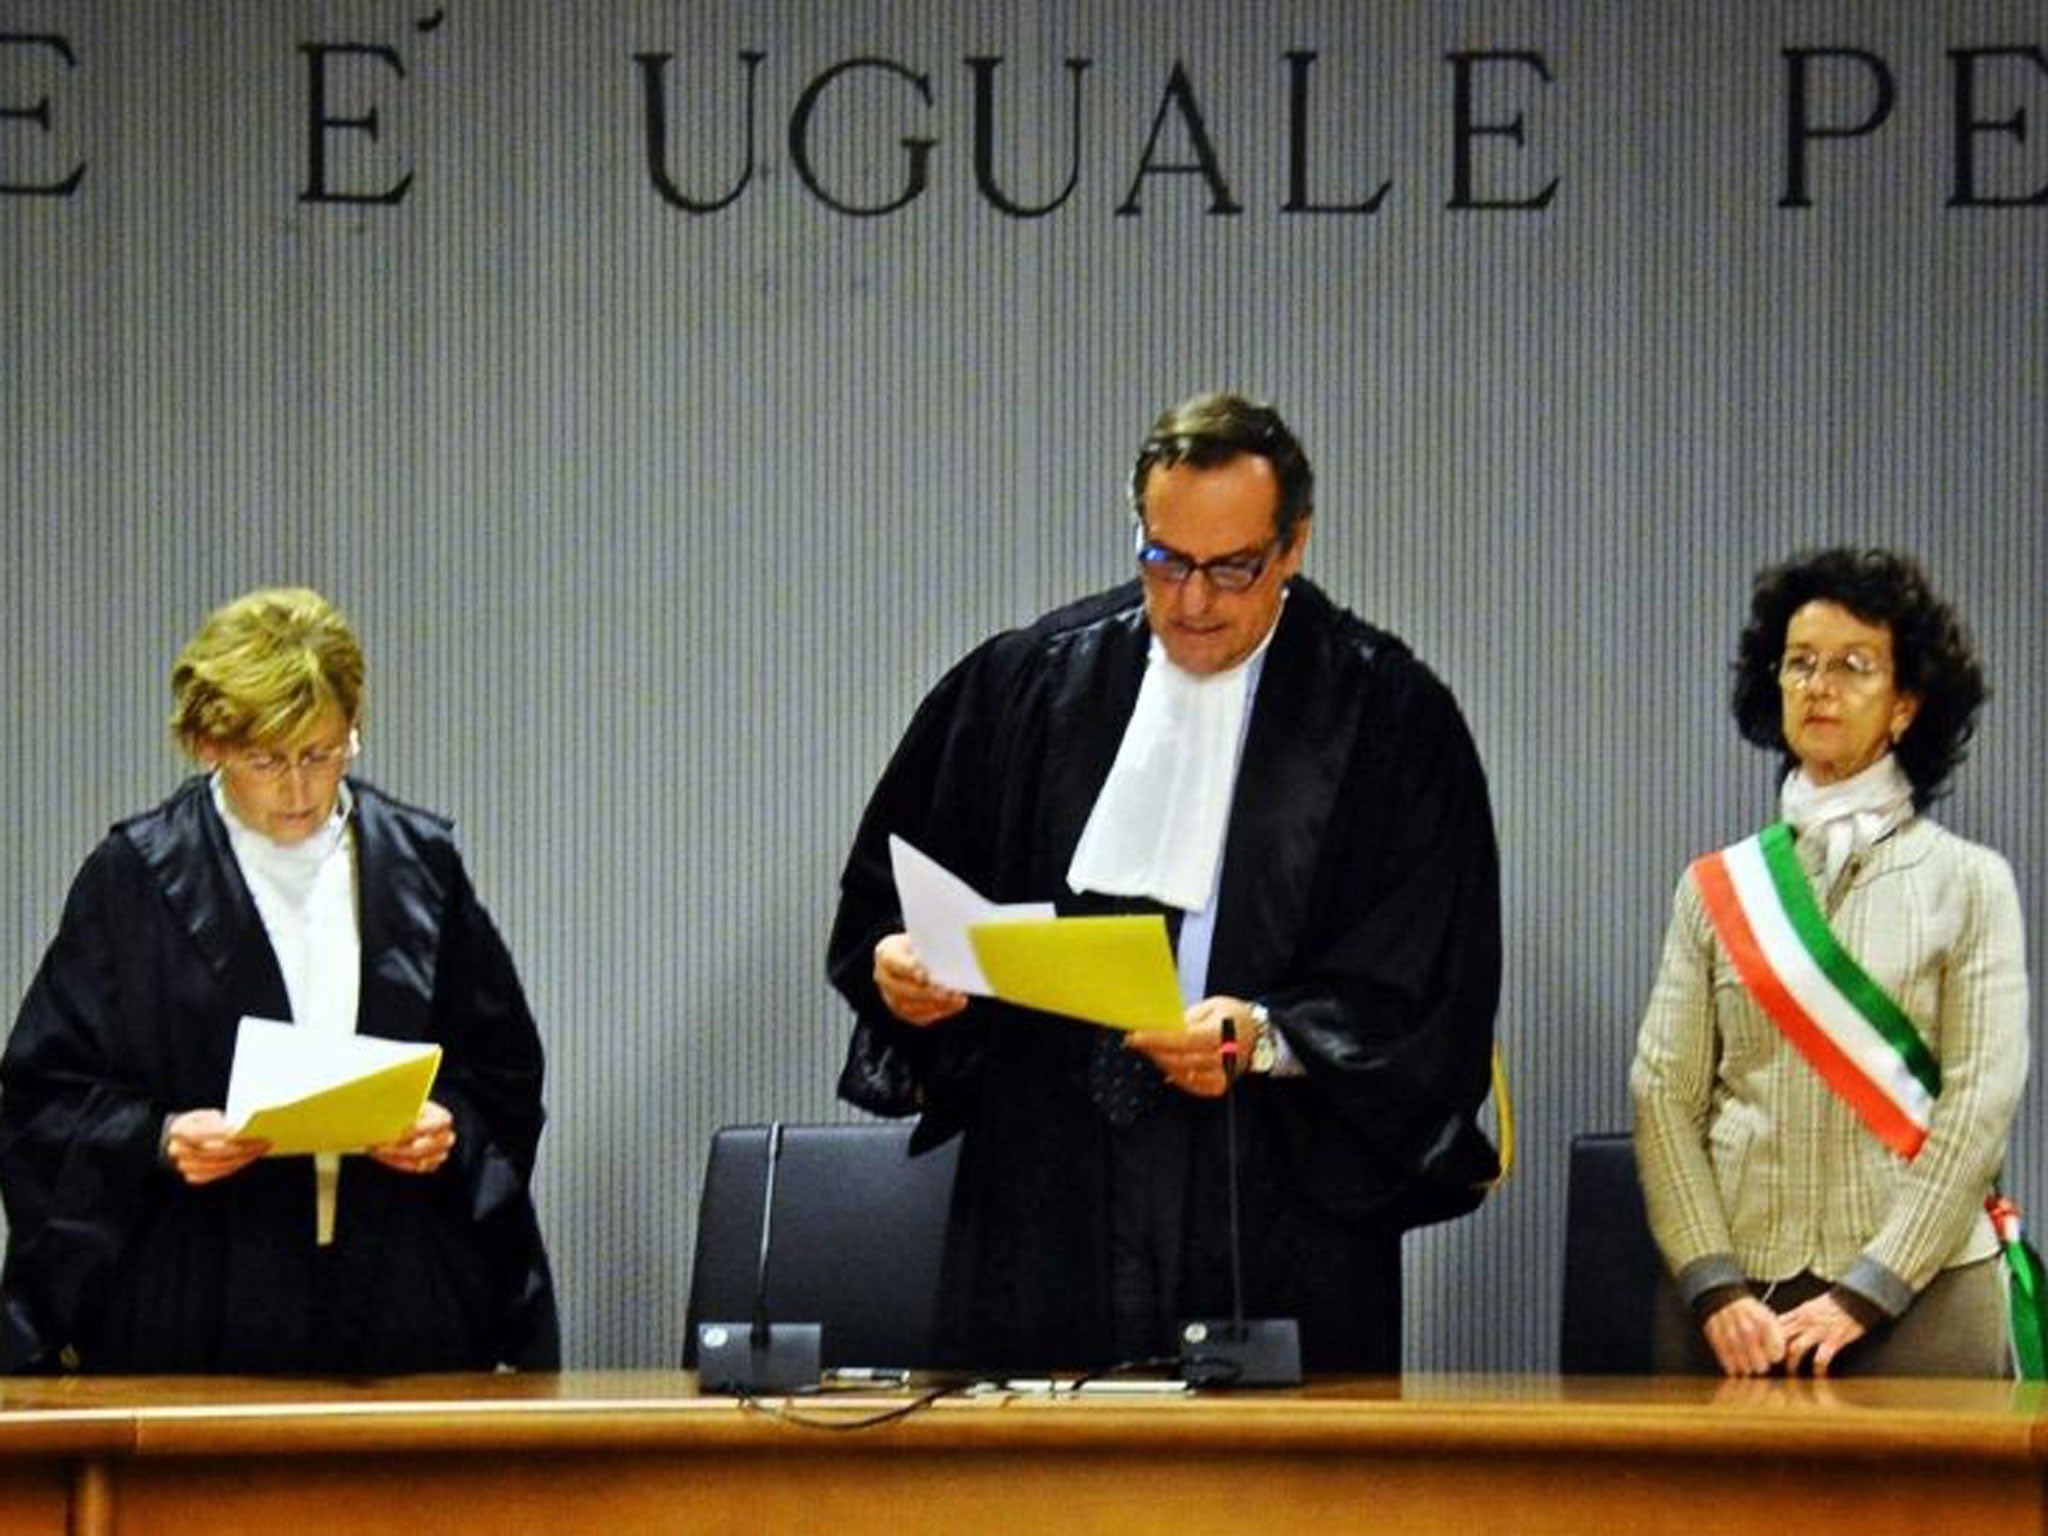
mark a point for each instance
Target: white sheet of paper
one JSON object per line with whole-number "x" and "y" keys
{"x": 938, "y": 909}
{"x": 280, "y": 1063}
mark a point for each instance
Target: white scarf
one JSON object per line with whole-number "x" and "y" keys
{"x": 1158, "y": 824}
{"x": 1849, "y": 816}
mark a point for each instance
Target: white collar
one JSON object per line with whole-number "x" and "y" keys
{"x": 1158, "y": 825}
{"x": 284, "y": 859}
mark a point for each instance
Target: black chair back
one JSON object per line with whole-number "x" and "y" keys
{"x": 859, "y": 1227}
{"x": 1611, "y": 1265}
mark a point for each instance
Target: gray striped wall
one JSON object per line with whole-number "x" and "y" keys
{"x": 656, "y": 525}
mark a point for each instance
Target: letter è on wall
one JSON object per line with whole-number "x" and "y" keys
{"x": 1498, "y": 136}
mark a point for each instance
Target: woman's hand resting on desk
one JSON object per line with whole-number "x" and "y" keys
{"x": 1746, "y": 1337}
{"x": 1749, "y": 1339}
{"x": 1819, "y": 1329}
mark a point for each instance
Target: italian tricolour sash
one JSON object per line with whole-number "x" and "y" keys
{"x": 1848, "y": 1029}
{"x": 1822, "y": 1001}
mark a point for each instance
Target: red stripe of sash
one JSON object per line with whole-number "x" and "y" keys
{"x": 1884, "y": 1118}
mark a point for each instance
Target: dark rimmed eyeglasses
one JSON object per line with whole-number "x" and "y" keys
{"x": 1226, "y": 573}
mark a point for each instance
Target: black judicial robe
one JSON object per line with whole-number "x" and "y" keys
{"x": 114, "y": 1264}
{"x": 1359, "y": 902}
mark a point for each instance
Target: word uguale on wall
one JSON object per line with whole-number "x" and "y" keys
{"x": 360, "y": 103}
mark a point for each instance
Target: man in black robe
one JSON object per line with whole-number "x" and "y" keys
{"x": 115, "y": 1264}
{"x": 1337, "y": 868}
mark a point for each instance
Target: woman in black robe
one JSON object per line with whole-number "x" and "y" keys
{"x": 144, "y": 1234}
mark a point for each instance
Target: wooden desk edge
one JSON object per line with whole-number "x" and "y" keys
{"x": 577, "y": 1413}
{"x": 707, "y": 1426}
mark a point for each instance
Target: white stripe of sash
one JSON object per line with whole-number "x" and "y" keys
{"x": 1839, "y": 1019}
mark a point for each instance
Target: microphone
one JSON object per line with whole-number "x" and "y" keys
{"x": 759, "y": 1355}
{"x": 1265, "y": 1352}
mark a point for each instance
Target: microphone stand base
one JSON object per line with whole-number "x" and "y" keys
{"x": 1261, "y": 1352}
{"x": 729, "y": 1359}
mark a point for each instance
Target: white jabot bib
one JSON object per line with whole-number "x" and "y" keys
{"x": 306, "y": 895}
{"x": 1848, "y": 816}
{"x": 1158, "y": 825}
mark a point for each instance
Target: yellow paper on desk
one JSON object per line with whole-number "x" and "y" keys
{"x": 1116, "y": 971}
{"x": 306, "y": 1091}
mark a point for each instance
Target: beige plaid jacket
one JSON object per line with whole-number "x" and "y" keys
{"x": 1753, "y": 1168}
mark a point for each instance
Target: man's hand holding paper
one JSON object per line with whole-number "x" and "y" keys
{"x": 1115, "y": 971}
{"x": 1192, "y": 1057}
{"x": 907, "y": 987}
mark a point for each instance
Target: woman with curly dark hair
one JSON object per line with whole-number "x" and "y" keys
{"x": 1837, "y": 1039}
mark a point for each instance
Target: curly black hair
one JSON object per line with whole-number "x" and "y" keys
{"x": 1931, "y": 655}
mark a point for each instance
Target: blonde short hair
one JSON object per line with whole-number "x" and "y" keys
{"x": 263, "y": 669}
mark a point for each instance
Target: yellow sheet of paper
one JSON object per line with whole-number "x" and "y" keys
{"x": 364, "y": 1112}
{"x": 1107, "y": 970}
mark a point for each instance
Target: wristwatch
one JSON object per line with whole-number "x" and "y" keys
{"x": 1265, "y": 1052}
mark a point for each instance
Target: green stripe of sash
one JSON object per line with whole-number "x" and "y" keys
{"x": 1837, "y": 964}
{"x": 2024, "y": 1280}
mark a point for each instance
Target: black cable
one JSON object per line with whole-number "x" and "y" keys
{"x": 779, "y": 1409}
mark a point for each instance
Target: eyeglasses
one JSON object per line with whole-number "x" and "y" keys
{"x": 1226, "y": 573}
{"x": 313, "y": 762}
{"x": 1852, "y": 670}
